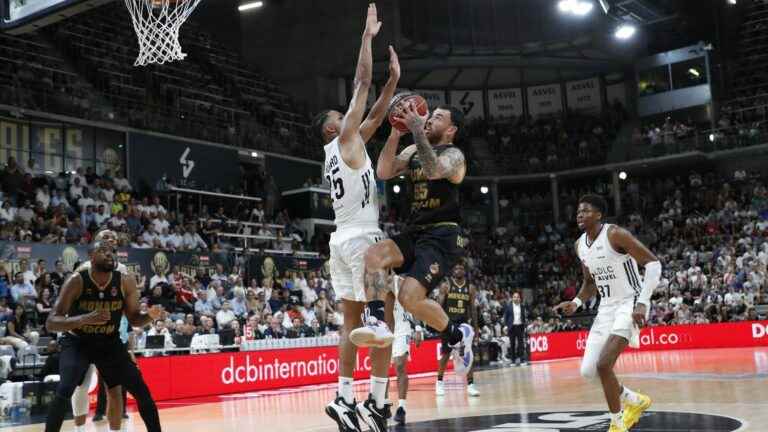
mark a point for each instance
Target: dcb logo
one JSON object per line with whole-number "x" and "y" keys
{"x": 759, "y": 330}
{"x": 539, "y": 343}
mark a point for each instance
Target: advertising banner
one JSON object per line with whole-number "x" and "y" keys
{"x": 434, "y": 98}
{"x": 544, "y": 99}
{"x": 470, "y": 102}
{"x": 552, "y": 346}
{"x": 584, "y": 95}
{"x": 177, "y": 377}
{"x": 187, "y": 164}
{"x": 505, "y": 103}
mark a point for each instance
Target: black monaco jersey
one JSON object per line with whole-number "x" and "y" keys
{"x": 92, "y": 299}
{"x": 432, "y": 201}
{"x": 457, "y": 301}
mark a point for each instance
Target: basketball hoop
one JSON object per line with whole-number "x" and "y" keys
{"x": 157, "y": 24}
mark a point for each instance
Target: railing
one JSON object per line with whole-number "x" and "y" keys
{"x": 706, "y": 140}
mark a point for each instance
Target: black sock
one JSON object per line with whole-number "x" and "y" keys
{"x": 453, "y": 334}
{"x": 439, "y": 377}
{"x": 56, "y": 412}
{"x": 470, "y": 381}
{"x": 376, "y": 309}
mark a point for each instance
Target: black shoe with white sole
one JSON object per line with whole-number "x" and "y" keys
{"x": 343, "y": 414}
{"x": 375, "y": 418}
{"x": 400, "y": 416}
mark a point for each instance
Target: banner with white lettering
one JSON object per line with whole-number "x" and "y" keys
{"x": 505, "y": 103}
{"x": 584, "y": 95}
{"x": 617, "y": 92}
{"x": 544, "y": 99}
{"x": 469, "y": 101}
{"x": 434, "y": 98}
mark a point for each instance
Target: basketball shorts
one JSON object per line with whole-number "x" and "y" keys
{"x": 401, "y": 346}
{"x": 429, "y": 253}
{"x": 614, "y": 319}
{"x": 347, "y": 261}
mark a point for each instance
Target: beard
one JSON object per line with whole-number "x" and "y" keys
{"x": 434, "y": 137}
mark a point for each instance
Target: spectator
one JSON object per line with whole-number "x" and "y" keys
{"x": 18, "y": 331}
{"x": 225, "y": 315}
{"x": 22, "y": 292}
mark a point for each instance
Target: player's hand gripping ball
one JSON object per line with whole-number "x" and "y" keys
{"x": 396, "y": 109}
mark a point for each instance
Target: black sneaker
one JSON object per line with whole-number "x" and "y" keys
{"x": 374, "y": 417}
{"x": 400, "y": 416}
{"x": 126, "y": 417}
{"x": 98, "y": 417}
{"x": 344, "y": 415}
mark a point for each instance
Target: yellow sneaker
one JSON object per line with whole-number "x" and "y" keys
{"x": 618, "y": 426}
{"x": 633, "y": 412}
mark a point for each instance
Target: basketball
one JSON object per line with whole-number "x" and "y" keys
{"x": 396, "y": 108}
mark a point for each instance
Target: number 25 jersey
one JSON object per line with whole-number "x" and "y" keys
{"x": 353, "y": 191}
{"x": 615, "y": 274}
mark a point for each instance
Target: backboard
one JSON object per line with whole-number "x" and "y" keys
{"x": 22, "y": 16}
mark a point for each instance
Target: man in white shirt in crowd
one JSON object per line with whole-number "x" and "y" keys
{"x": 175, "y": 239}
{"x": 117, "y": 221}
{"x": 165, "y": 239}
{"x": 28, "y": 274}
{"x": 22, "y": 291}
{"x": 160, "y": 224}
{"x": 150, "y": 236}
{"x": 160, "y": 329}
{"x": 225, "y": 315}
{"x": 157, "y": 208}
{"x": 203, "y": 306}
{"x": 121, "y": 183}
{"x": 85, "y": 200}
{"x": 193, "y": 241}
{"x": 101, "y": 215}
{"x": 43, "y": 196}
{"x": 76, "y": 190}
{"x": 25, "y": 213}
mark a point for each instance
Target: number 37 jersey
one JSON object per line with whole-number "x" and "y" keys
{"x": 353, "y": 191}
{"x": 615, "y": 274}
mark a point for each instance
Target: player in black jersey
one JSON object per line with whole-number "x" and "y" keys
{"x": 432, "y": 242}
{"x": 88, "y": 312}
{"x": 457, "y": 296}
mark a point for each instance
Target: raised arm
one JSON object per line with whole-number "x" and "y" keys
{"x": 58, "y": 321}
{"x": 131, "y": 307}
{"x": 390, "y": 164}
{"x": 350, "y": 127}
{"x": 379, "y": 110}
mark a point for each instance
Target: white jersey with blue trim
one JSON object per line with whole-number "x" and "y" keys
{"x": 616, "y": 275}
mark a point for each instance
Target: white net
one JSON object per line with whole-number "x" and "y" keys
{"x": 157, "y": 24}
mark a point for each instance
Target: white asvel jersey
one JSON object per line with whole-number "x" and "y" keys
{"x": 353, "y": 191}
{"x": 616, "y": 275}
{"x": 402, "y": 321}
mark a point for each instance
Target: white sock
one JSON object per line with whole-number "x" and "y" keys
{"x": 114, "y": 430}
{"x": 345, "y": 389}
{"x": 80, "y": 428}
{"x": 630, "y": 396}
{"x": 379, "y": 390}
{"x": 401, "y": 403}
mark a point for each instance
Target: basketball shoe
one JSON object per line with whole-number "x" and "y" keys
{"x": 633, "y": 411}
{"x": 376, "y": 418}
{"x": 400, "y": 416}
{"x": 374, "y": 333}
{"x": 472, "y": 390}
{"x": 462, "y": 352}
{"x": 617, "y": 423}
{"x": 343, "y": 414}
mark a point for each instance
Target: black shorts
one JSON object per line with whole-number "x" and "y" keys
{"x": 109, "y": 355}
{"x": 429, "y": 252}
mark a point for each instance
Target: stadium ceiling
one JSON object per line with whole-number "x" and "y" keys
{"x": 513, "y": 43}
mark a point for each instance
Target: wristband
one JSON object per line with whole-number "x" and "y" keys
{"x": 578, "y": 302}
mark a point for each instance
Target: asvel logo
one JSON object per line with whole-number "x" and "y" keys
{"x": 579, "y": 421}
{"x": 187, "y": 165}
{"x": 759, "y": 330}
{"x": 466, "y": 104}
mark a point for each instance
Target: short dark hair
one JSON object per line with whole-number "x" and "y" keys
{"x": 596, "y": 201}
{"x": 318, "y": 121}
{"x": 457, "y": 118}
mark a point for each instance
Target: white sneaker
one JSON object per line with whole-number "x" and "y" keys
{"x": 374, "y": 334}
{"x": 439, "y": 388}
{"x": 472, "y": 390}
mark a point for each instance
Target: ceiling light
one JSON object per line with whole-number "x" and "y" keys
{"x": 694, "y": 72}
{"x": 251, "y": 5}
{"x": 625, "y": 31}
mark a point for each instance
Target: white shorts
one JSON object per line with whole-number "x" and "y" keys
{"x": 401, "y": 346}
{"x": 615, "y": 319}
{"x": 347, "y": 261}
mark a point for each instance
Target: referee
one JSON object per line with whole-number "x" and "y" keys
{"x": 88, "y": 312}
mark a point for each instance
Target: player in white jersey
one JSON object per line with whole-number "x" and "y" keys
{"x": 405, "y": 333}
{"x": 115, "y": 396}
{"x": 609, "y": 258}
{"x": 350, "y": 175}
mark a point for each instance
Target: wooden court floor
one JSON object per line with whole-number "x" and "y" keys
{"x": 695, "y": 390}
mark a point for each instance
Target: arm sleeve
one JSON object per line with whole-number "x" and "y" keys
{"x": 650, "y": 282}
